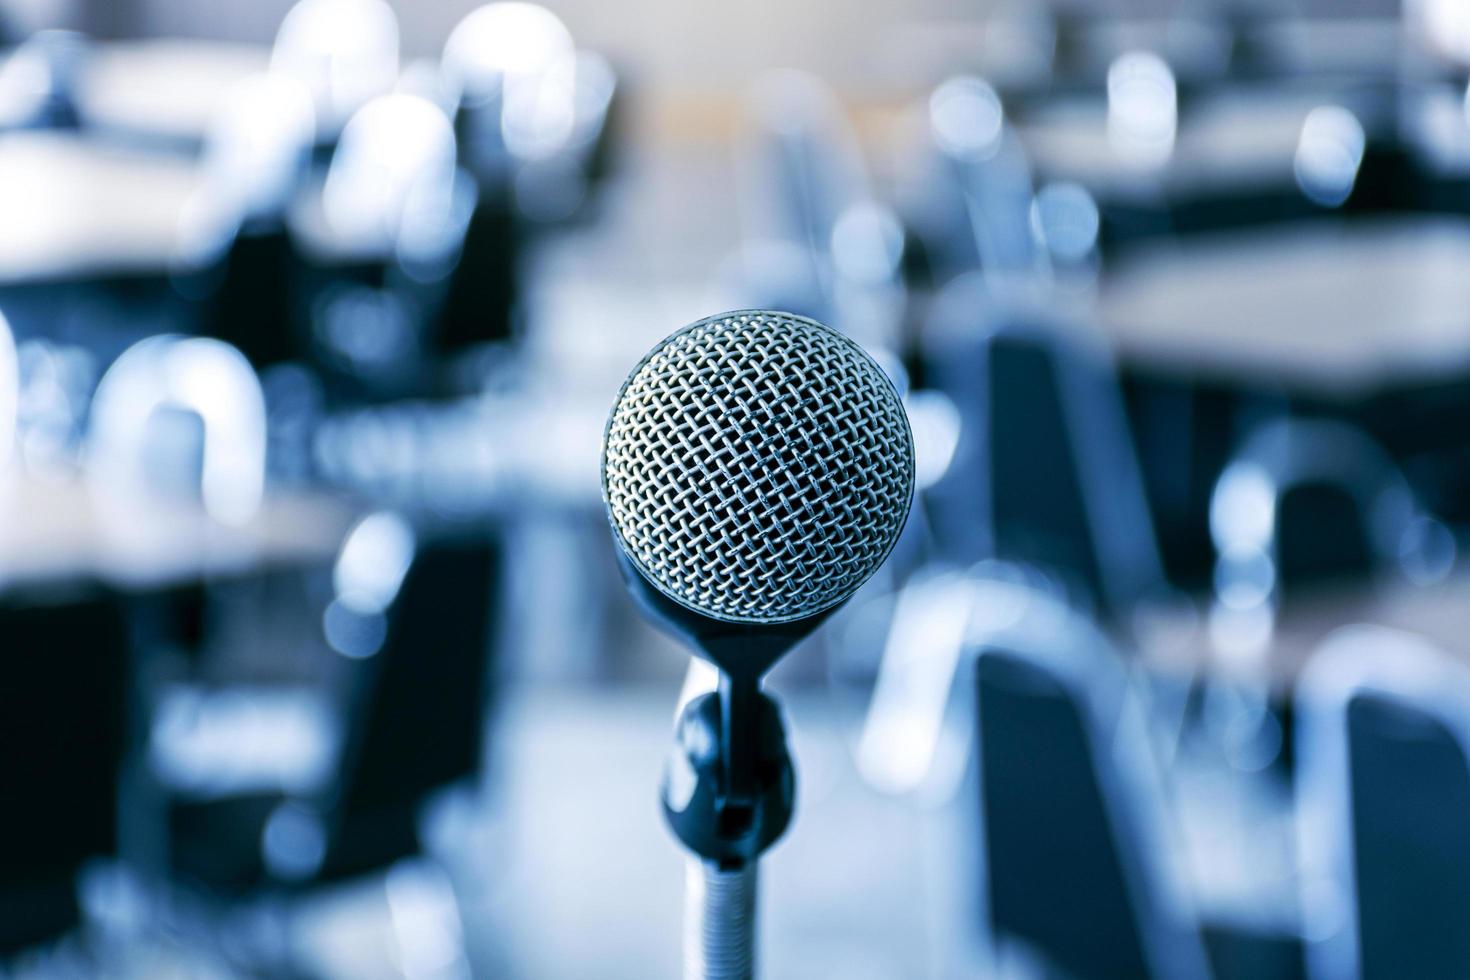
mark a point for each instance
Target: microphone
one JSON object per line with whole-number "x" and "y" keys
{"x": 757, "y": 469}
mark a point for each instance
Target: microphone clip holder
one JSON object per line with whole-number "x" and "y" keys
{"x": 729, "y": 784}
{"x": 713, "y": 822}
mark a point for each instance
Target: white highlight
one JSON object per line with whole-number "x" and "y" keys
{"x": 522, "y": 54}
{"x": 1143, "y": 108}
{"x": 394, "y": 153}
{"x": 344, "y": 51}
{"x": 373, "y": 562}
{"x": 967, "y": 119}
{"x": 1329, "y": 155}
{"x": 207, "y": 377}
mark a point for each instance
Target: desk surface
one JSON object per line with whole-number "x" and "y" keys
{"x": 1326, "y": 306}
{"x": 1238, "y": 142}
{"x": 58, "y": 529}
{"x": 166, "y": 89}
{"x": 78, "y": 207}
{"x": 75, "y": 206}
{"x": 1440, "y": 613}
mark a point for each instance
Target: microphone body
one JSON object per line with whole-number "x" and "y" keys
{"x": 757, "y": 469}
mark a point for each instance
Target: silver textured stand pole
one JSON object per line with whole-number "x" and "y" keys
{"x": 725, "y": 831}
{"x": 719, "y": 921}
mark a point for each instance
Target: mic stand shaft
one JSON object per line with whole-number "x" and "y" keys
{"x": 719, "y": 920}
{"x": 726, "y": 834}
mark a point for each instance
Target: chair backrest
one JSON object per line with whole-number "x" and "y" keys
{"x": 38, "y": 79}
{"x": 62, "y": 704}
{"x": 481, "y": 293}
{"x": 805, "y": 172}
{"x": 1037, "y": 504}
{"x": 392, "y": 174}
{"x": 808, "y": 156}
{"x": 233, "y": 249}
{"x": 1045, "y": 472}
{"x": 1073, "y": 819}
{"x": 258, "y": 147}
{"x": 1046, "y": 822}
{"x": 512, "y": 69}
{"x": 344, "y": 51}
{"x": 1383, "y": 758}
{"x": 988, "y": 175}
{"x": 1316, "y": 499}
{"x": 1063, "y": 815}
{"x": 198, "y": 375}
{"x": 417, "y": 707}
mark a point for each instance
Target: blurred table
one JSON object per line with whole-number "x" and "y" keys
{"x": 1236, "y": 143}
{"x": 78, "y": 208}
{"x": 1440, "y": 613}
{"x": 1331, "y": 307}
{"x": 60, "y": 529}
{"x": 163, "y": 90}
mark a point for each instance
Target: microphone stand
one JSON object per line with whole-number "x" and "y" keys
{"x": 727, "y": 817}
{"x": 729, "y": 786}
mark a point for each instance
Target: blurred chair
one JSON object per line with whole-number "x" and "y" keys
{"x": 1310, "y": 502}
{"x": 1305, "y": 505}
{"x": 395, "y": 210}
{"x": 174, "y": 452}
{"x": 1045, "y": 471}
{"x": 482, "y": 291}
{"x": 63, "y": 697}
{"x": 424, "y": 723}
{"x": 815, "y": 166}
{"x": 394, "y": 165}
{"x": 1077, "y": 855}
{"x": 512, "y": 71}
{"x": 531, "y": 112}
{"x": 132, "y": 476}
{"x": 38, "y": 81}
{"x": 235, "y": 251}
{"x": 517, "y": 87}
{"x": 973, "y": 209}
{"x": 344, "y": 51}
{"x": 819, "y": 243}
{"x": 532, "y": 116}
{"x": 1383, "y": 750}
{"x": 1067, "y": 864}
{"x": 1077, "y": 842}
{"x": 403, "y": 719}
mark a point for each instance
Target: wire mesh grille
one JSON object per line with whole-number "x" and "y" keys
{"x": 757, "y": 467}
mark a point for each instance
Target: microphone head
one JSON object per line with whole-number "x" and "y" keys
{"x": 757, "y": 468}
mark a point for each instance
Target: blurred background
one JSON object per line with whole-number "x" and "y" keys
{"x": 314, "y": 657}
